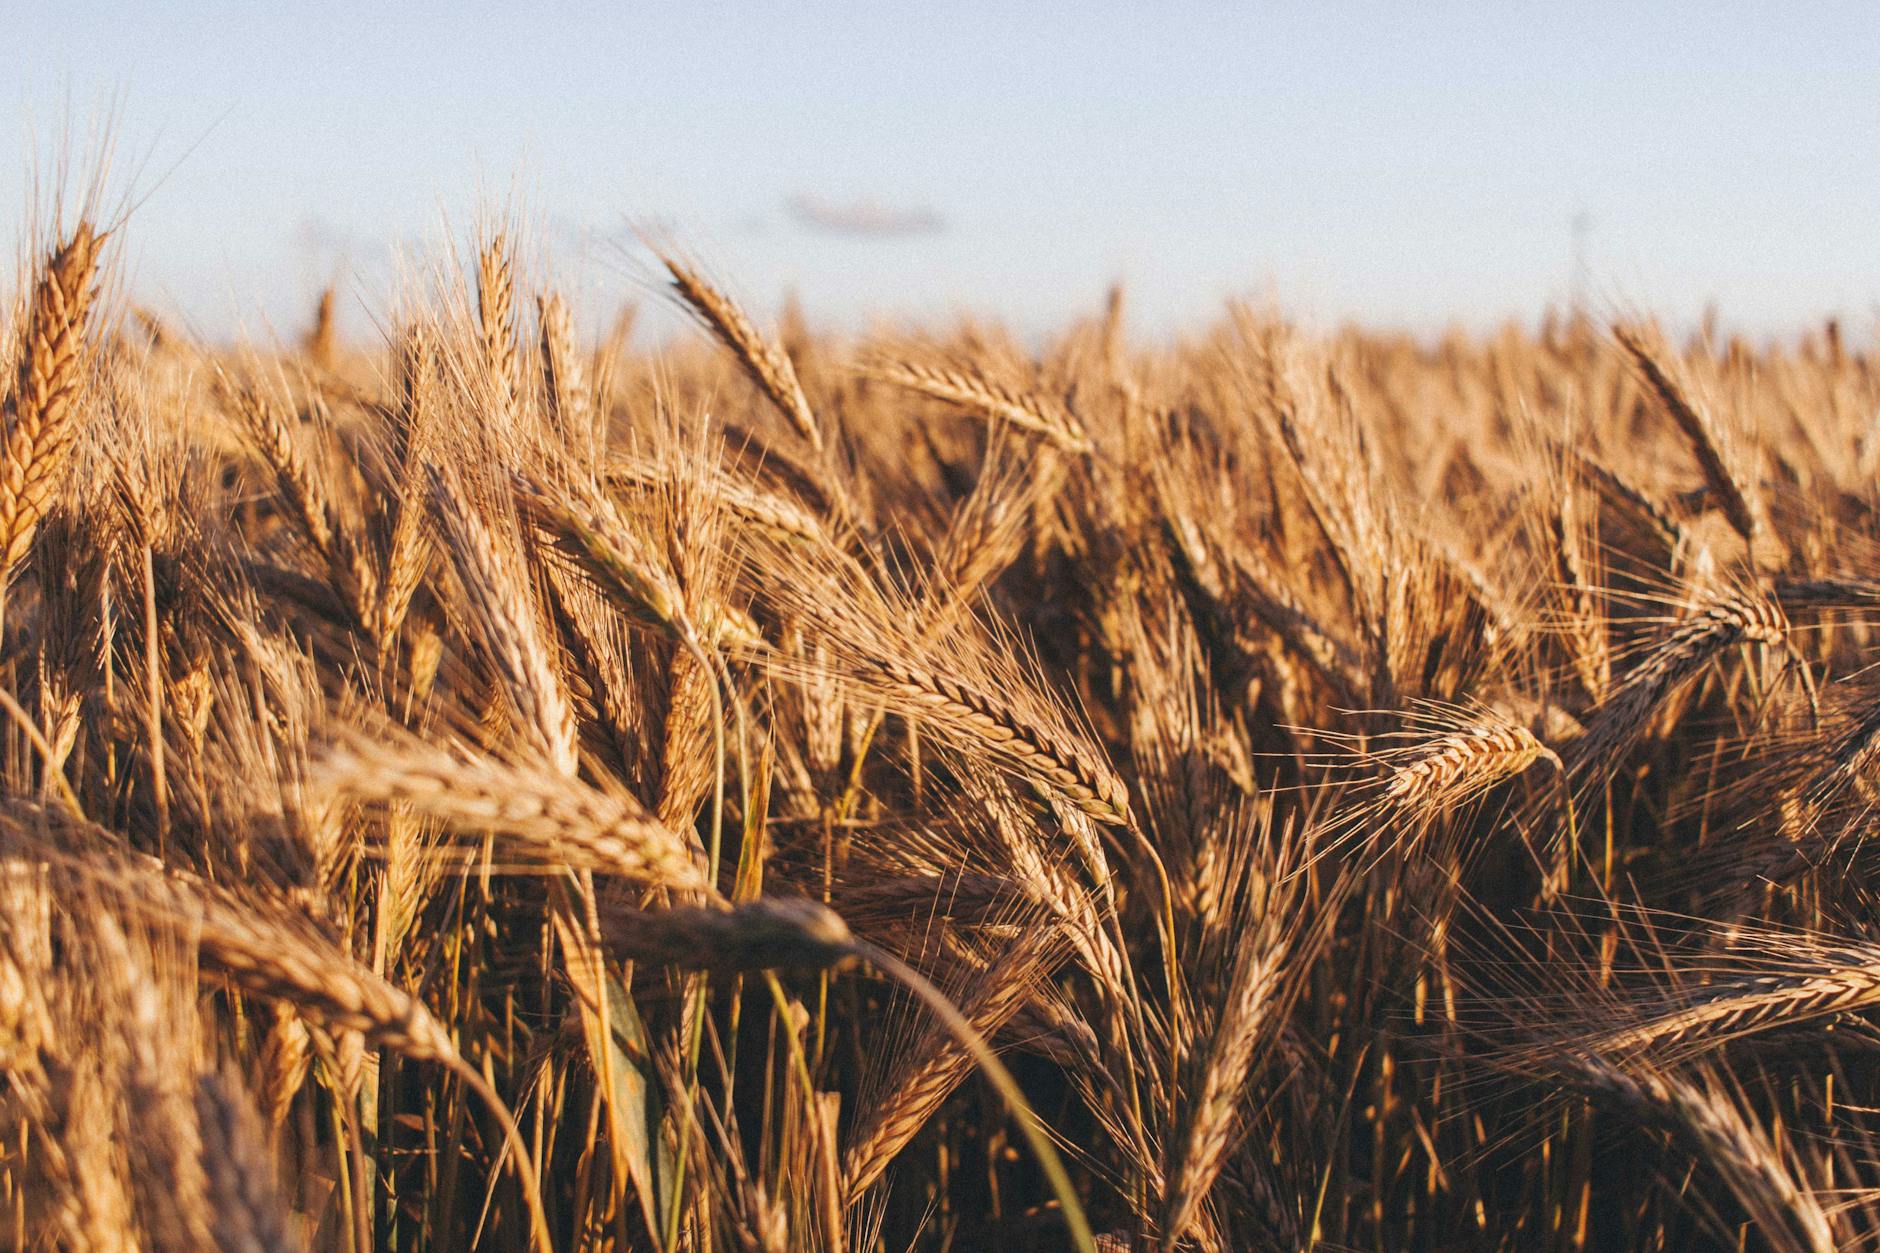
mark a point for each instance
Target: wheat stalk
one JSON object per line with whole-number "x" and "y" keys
{"x": 770, "y": 933}
{"x": 1037, "y": 751}
{"x": 42, "y": 421}
{"x": 1786, "y": 1214}
{"x": 558, "y": 819}
{"x": 1724, "y": 620}
{"x": 767, "y": 364}
{"x": 496, "y": 316}
{"x": 503, "y": 612}
{"x": 1452, "y": 767}
{"x": 249, "y": 1211}
{"x": 932, "y": 1068}
{"x": 976, "y": 393}
{"x": 1730, "y": 487}
{"x": 1841, "y": 978}
{"x": 274, "y": 958}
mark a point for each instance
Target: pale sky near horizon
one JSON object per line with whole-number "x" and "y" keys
{"x": 1403, "y": 165}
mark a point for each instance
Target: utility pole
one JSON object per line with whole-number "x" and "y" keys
{"x": 1579, "y": 265}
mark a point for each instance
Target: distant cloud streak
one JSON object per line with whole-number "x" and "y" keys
{"x": 863, "y": 219}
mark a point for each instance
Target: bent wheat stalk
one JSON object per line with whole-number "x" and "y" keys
{"x": 1002, "y": 1081}
{"x": 976, "y": 393}
{"x": 767, "y": 364}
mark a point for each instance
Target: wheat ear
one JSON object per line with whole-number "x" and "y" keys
{"x": 767, "y": 364}
{"x": 1699, "y": 432}
{"x": 42, "y": 422}
{"x": 974, "y": 392}
{"x": 554, "y": 818}
{"x": 1463, "y": 763}
{"x": 496, "y": 315}
{"x": 770, "y": 933}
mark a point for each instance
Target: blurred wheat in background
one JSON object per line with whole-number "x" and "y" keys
{"x": 484, "y": 786}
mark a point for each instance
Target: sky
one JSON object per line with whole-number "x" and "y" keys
{"x": 1403, "y": 165}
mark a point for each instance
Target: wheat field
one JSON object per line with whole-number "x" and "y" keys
{"x": 486, "y": 784}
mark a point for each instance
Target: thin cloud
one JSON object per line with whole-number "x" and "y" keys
{"x": 863, "y": 219}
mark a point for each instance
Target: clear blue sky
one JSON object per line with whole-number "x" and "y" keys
{"x": 1398, "y": 163}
